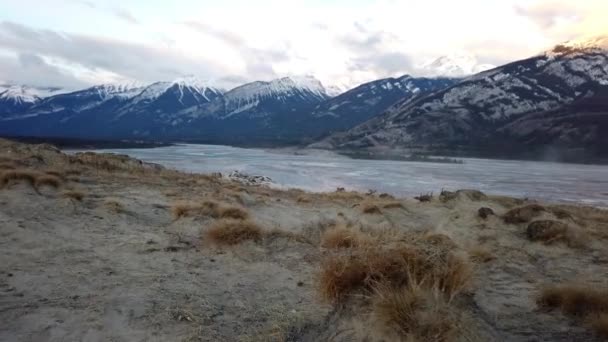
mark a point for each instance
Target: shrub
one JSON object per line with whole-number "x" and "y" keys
{"x": 547, "y": 231}
{"x": 232, "y": 232}
{"x": 205, "y": 208}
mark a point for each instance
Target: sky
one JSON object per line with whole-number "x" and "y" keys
{"x": 78, "y": 43}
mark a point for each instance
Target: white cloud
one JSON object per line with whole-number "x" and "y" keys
{"x": 234, "y": 41}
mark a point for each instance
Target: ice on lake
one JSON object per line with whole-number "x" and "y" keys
{"x": 325, "y": 171}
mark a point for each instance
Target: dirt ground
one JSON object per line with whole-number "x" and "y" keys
{"x": 118, "y": 265}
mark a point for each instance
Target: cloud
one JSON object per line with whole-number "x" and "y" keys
{"x": 125, "y": 15}
{"x": 88, "y": 56}
{"x": 31, "y": 69}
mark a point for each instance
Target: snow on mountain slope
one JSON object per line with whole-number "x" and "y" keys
{"x": 189, "y": 84}
{"x": 473, "y": 111}
{"x": 306, "y": 89}
{"x": 454, "y": 65}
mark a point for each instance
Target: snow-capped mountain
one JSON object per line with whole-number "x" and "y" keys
{"x": 454, "y": 65}
{"x": 17, "y": 98}
{"x": 482, "y": 110}
{"x": 371, "y": 99}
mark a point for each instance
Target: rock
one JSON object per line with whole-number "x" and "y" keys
{"x": 485, "y": 212}
{"x": 246, "y": 179}
{"x": 523, "y": 214}
{"x": 546, "y": 230}
{"x": 424, "y": 198}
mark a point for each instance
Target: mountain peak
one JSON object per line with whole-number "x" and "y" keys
{"x": 457, "y": 64}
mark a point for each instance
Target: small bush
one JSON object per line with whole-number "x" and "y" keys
{"x": 232, "y": 232}
{"x": 205, "y": 208}
{"x": 485, "y": 212}
{"x": 73, "y": 194}
{"x": 370, "y": 208}
{"x": 523, "y": 214}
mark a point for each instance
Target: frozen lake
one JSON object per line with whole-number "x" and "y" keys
{"x": 324, "y": 171}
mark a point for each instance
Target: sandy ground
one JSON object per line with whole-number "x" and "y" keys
{"x": 117, "y": 266}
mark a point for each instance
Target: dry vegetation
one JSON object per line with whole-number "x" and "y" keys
{"x": 393, "y": 267}
{"x": 586, "y": 303}
{"x": 231, "y": 232}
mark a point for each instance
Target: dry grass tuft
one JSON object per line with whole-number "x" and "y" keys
{"x": 114, "y": 206}
{"x": 523, "y": 214}
{"x": 231, "y": 232}
{"x": 73, "y": 194}
{"x": 342, "y": 274}
{"x": 392, "y": 205}
{"x": 342, "y": 237}
{"x": 232, "y": 212}
{"x": 370, "y": 208}
{"x": 599, "y": 323}
{"x": 575, "y": 300}
{"x": 7, "y": 166}
{"x": 415, "y": 313}
{"x": 550, "y": 232}
{"x": 204, "y": 208}
{"x": 18, "y": 175}
{"x": 580, "y": 301}
{"x": 481, "y": 254}
{"x": 303, "y": 199}
{"x": 48, "y": 180}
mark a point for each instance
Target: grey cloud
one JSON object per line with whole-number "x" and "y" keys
{"x": 31, "y": 70}
{"x": 383, "y": 64}
{"x": 145, "y": 63}
{"x": 125, "y": 15}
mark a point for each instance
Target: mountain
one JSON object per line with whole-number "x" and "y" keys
{"x": 454, "y": 65}
{"x": 370, "y": 99}
{"x": 182, "y": 109}
{"x": 17, "y": 98}
{"x": 494, "y": 109}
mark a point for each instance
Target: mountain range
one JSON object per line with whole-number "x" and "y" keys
{"x": 554, "y": 101}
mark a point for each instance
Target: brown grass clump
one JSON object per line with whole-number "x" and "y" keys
{"x": 584, "y": 302}
{"x": 415, "y": 313}
{"x": 204, "y": 208}
{"x": 523, "y": 214}
{"x": 599, "y": 323}
{"x": 547, "y": 231}
{"x": 342, "y": 237}
{"x": 370, "y": 208}
{"x": 73, "y": 194}
{"x": 18, "y": 175}
{"x": 114, "y": 206}
{"x": 392, "y": 205}
{"x": 303, "y": 199}
{"x": 481, "y": 254}
{"x": 342, "y": 274}
{"x": 575, "y": 300}
{"x": 232, "y": 212}
{"x": 7, "y": 166}
{"x": 231, "y": 232}
{"x": 48, "y": 180}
